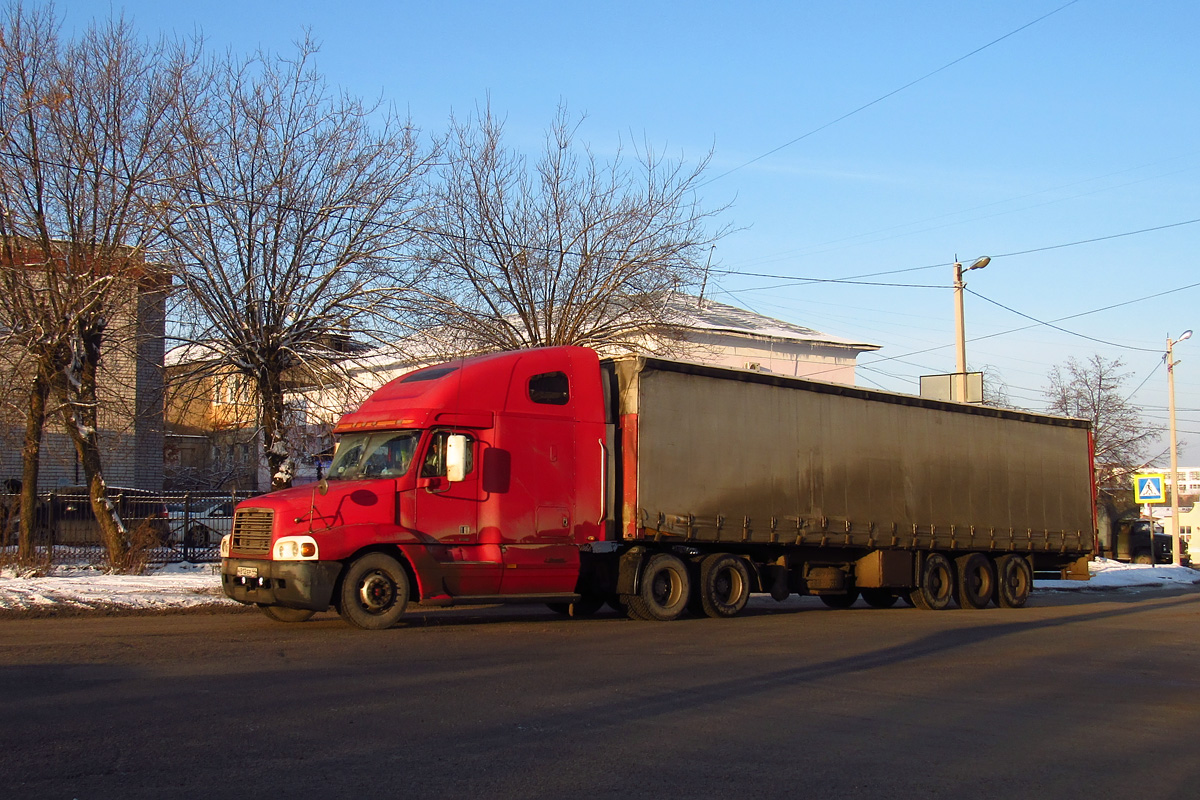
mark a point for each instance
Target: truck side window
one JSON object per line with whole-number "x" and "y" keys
{"x": 390, "y": 456}
{"x": 434, "y": 465}
{"x": 550, "y": 388}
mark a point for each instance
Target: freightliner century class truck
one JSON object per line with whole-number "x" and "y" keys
{"x": 552, "y": 476}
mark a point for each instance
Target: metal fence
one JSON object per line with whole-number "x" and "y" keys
{"x": 170, "y": 527}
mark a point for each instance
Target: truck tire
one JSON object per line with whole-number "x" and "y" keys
{"x": 281, "y": 614}
{"x": 374, "y": 592}
{"x": 879, "y": 598}
{"x": 665, "y": 589}
{"x": 1014, "y": 580}
{"x": 935, "y": 585}
{"x": 840, "y": 600}
{"x": 1142, "y": 557}
{"x": 724, "y": 585}
{"x": 976, "y": 583}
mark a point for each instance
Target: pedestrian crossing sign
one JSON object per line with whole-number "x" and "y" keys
{"x": 1149, "y": 488}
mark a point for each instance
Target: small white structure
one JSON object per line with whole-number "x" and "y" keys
{"x": 713, "y": 333}
{"x": 729, "y": 336}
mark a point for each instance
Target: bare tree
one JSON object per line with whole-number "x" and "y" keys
{"x": 1092, "y": 390}
{"x": 995, "y": 388}
{"x": 86, "y": 127}
{"x": 298, "y": 200}
{"x": 568, "y": 250}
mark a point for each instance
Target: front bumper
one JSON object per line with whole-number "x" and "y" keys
{"x": 293, "y": 584}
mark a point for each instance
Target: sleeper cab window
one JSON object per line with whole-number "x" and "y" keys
{"x": 434, "y": 465}
{"x": 550, "y": 388}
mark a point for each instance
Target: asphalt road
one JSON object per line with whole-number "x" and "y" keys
{"x": 1078, "y": 695}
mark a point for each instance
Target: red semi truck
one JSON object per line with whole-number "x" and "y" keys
{"x": 550, "y": 475}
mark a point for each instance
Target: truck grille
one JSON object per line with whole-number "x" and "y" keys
{"x": 252, "y": 530}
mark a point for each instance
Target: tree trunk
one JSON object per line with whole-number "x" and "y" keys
{"x": 279, "y": 462}
{"x": 31, "y": 453}
{"x": 81, "y": 418}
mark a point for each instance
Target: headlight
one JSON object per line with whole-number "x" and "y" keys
{"x": 225, "y": 540}
{"x": 295, "y": 548}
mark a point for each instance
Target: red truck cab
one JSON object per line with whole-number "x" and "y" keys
{"x": 477, "y": 480}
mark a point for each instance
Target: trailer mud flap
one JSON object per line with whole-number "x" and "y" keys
{"x": 630, "y": 570}
{"x": 1077, "y": 570}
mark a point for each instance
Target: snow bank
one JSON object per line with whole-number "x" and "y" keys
{"x": 189, "y": 585}
{"x": 175, "y": 586}
{"x": 1108, "y": 574}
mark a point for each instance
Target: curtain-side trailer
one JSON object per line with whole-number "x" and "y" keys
{"x": 657, "y": 486}
{"x": 840, "y": 491}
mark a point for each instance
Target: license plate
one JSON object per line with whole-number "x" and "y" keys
{"x": 247, "y": 572}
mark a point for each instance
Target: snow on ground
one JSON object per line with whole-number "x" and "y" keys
{"x": 1108, "y": 574}
{"x": 191, "y": 585}
{"x": 82, "y": 588}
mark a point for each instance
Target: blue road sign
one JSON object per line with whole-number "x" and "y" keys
{"x": 1149, "y": 488}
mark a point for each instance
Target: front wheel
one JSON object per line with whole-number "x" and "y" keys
{"x": 281, "y": 614}
{"x": 374, "y": 592}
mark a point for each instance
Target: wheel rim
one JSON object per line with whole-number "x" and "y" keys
{"x": 1016, "y": 581}
{"x": 939, "y": 583}
{"x": 377, "y": 592}
{"x": 727, "y": 586}
{"x": 665, "y": 588}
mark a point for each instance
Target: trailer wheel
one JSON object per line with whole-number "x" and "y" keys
{"x": 665, "y": 589}
{"x": 374, "y": 592}
{"x": 879, "y": 598}
{"x": 840, "y": 600}
{"x": 976, "y": 580}
{"x": 1014, "y": 580}
{"x": 281, "y": 614}
{"x": 935, "y": 587}
{"x": 724, "y": 585}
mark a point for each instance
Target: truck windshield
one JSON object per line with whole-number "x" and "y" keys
{"x": 373, "y": 455}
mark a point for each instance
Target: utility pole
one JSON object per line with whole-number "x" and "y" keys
{"x": 959, "y": 391}
{"x": 1176, "y": 550}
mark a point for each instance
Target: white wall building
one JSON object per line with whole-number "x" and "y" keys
{"x": 714, "y": 333}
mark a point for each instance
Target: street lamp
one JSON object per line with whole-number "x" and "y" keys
{"x": 1176, "y": 554}
{"x": 960, "y": 377}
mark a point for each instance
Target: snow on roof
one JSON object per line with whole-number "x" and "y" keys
{"x": 709, "y": 315}
{"x": 190, "y": 353}
{"x": 690, "y": 312}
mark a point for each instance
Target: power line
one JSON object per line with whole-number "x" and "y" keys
{"x": 880, "y": 99}
{"x": 805, "y": 280}
{"x": 1057, "y": 328}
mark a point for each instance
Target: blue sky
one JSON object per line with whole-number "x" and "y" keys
{"x": 1081, "y": 126}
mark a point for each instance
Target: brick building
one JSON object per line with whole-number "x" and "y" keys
{"x": 129, "y": 383}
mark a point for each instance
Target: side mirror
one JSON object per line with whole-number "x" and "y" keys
{"x": 456, "y": 458}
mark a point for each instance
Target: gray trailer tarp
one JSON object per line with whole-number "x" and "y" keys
{"x": 738, "y": 456}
